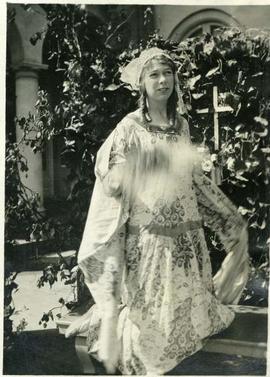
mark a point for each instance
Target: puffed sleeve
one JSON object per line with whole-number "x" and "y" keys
{"x": 222, "y": 217}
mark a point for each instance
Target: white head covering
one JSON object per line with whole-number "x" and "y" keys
{"x": 132, "y": 72}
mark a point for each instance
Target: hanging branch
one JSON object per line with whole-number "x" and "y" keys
{"x": 118, "y": 27}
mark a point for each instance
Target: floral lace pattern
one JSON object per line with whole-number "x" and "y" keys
{"x": 182, "y": 253}
{"x": 218, "y": 212}
{"x": 92, "y": 336}
{"x": 171, "y": 278}
{"x": 92, "y": 269}
{"x": 133, "y": 254}
{"x": 168, "y": 214}
{"x": 182, "y": 336}
{"x": 169, "y": 305}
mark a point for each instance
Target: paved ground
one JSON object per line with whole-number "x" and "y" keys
{"x": 204, "y": 363}
{"x": 43, "y": 352}
{"x": 31, "y": 302}
{"x": 47, "y": 353}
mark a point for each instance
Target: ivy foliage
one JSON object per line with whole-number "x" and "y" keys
{"x": 85, "y": 58}
{"x": 92, "y": 100}
{"x": 82, "y": 53}
{"x": 238, "y": 63}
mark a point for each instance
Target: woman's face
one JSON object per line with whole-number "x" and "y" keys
{"x": 158, "y": 80}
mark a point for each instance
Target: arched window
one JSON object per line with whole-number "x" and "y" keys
{"x": 207, "y": 27}
{"x": 204, "y": 21}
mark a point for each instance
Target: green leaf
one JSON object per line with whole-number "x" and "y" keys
{"x": 259, "y": 226}
{"x": 264, "y": 122}
{"x": 231, "y": 62}
{"x": 240, "y": 177}
{"x": 208, "y": 47}
{"x": 113, "y": 87}
{"x": 66, "y": 86}
{"x": 197, "y": 95}
{"x": 265, "y": 205}
{"x": 251, "y": 201}
{"x": 262, "y": 134}
{"x": 212, "y": 71}
{"x": 243, "y": 210}
{"x": 239, "y": 127}
{"x": 192, "y": 81}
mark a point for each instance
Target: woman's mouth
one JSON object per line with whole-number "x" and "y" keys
{"x": 163, "y": 90}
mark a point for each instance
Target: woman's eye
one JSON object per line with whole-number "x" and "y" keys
{"x": 153, "y": 75}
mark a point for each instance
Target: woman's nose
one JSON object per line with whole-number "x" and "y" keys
{"x": 162, "y": 78}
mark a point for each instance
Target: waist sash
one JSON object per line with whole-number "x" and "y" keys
{"x": 165, "y": 231}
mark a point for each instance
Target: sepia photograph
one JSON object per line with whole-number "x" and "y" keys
{"x": 136, "y": 188}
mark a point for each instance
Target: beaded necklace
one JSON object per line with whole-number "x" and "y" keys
{"x": 171, "y": 129}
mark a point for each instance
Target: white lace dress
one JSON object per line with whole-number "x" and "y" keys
{"x": 163, "y": 278}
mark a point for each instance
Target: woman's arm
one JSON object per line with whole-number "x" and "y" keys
{"x": 102, "y": 248}
{"x": 112, "y": 182}
{"x": 222, "y": 217}
{"x": 112, "y": 177}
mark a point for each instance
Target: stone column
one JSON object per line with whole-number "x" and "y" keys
{"x": 26, "y": 97}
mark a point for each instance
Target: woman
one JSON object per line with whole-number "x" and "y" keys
{"x": 143, "y": 252}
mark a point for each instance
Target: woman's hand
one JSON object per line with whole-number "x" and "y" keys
{"x": 237, "y": 241}
{"x": 80, "y": 325}
{"x": 109, "y": 346}
{"x": 231, "y": 279}
{"x": 112, "y": 182}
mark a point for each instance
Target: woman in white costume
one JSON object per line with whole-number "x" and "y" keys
{"x": 143, "y": 251}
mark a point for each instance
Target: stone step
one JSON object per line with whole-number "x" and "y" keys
{"x": 29, "y": 256}
{"x": 51, "y": 258}
{"x": 246, "y": 336}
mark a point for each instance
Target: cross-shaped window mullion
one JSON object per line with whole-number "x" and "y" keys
{"x": 206, "y": 28}
{"x": 216, "y": 110}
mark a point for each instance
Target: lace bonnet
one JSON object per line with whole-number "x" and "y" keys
{"x": 132, "y": 72}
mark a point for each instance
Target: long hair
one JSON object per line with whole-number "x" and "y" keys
{"x": 172, "y": 101}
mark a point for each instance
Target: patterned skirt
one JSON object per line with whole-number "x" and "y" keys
{"x": 169, "y": 306}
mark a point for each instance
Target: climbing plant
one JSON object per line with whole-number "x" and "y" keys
{"x": 88, "y": 99}
{"x": 237, "y": 62}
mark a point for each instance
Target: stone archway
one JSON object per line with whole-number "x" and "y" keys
{"x": 203, "y": 17}
{"x": 54, "y": 171}
{"x": 25, "y": 64}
